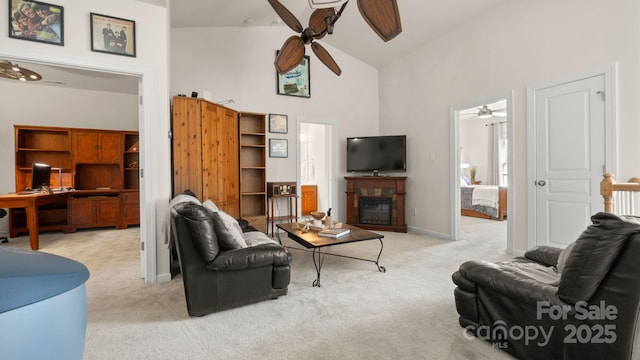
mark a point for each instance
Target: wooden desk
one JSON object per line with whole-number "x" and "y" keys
{"x": 31, "y": 202}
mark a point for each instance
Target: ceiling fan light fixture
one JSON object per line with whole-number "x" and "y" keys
{"x": 322, "y": 4}
{"x": 9, "y": 70}
{"x": 484, "y": 112}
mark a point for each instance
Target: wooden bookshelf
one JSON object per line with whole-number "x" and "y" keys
{"x": 253, "y": 170}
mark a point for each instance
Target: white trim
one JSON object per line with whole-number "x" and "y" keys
{"x": 454, "y": 114}
{"x": 454, "y": 170}
{"x": 147, "y": 188}
{"x": 610, "y": 73}
{"x": 434, "y": 234}
{"x": 164, "y": 277}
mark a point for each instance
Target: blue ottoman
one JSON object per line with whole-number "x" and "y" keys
{"x": 43, "y": 306}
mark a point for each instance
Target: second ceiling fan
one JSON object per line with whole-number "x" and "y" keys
{"x": 381, "y": 15}
{"x": 484, "y": 112}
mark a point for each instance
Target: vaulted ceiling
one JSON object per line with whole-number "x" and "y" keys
{"x": 421, "y": 20}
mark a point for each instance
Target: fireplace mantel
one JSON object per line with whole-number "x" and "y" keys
{"x": 391, "y": 187}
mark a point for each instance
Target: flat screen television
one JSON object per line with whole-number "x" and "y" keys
{"x": 40, "y": 176}
{"x": 377, "y": 154}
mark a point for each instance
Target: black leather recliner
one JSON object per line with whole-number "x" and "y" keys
{"x": 215, "y": 279}
{"x": 591, "y": 312}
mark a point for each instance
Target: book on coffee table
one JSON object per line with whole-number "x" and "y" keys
{"x": 334, "y": 233}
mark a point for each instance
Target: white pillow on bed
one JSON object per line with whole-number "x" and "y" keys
{"x": 464, "y": 181}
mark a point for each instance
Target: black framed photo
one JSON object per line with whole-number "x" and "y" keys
{"x": 36, "y": 21}
{"x": 278, "y": 148}
{"x": 113, "y": 35}
{"x": 278, "y": 124}
{"x": 296, "y": 82}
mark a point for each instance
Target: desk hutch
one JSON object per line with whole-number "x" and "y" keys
{"x": 102, "y": 166}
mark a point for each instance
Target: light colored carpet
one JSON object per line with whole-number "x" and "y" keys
{"x": 358, "y": 313}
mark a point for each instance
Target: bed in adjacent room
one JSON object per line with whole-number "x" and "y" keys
{"x": 484, "y": 201}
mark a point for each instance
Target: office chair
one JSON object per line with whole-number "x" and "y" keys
{"x": 4, "y": 239}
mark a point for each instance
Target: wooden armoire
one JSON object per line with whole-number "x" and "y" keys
{"x": 205, "y": 152}
{"x": 220, "y": 154}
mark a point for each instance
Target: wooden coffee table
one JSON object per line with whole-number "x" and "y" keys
{"x": 311, "y": 240}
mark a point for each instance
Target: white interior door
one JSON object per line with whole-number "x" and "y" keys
{"x": 569, "y": 158}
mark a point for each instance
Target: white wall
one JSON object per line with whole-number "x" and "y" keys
{"x": 237, "y": 63}
{"x": 474, "y": 141}
{"x": 518, "y": 44}
{"x": 150, "y": 64}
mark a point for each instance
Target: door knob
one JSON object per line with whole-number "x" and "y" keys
{"x": 541, "y": 183}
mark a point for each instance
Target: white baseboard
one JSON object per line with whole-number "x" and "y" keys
{"x": 165, "y": 277}
{"x": 434, "y": 234}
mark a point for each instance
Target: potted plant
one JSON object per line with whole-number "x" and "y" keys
{"x": 472, "y": 172}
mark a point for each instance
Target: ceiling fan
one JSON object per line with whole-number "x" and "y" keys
{"x": 382, "y": 16}
{"x": 484, "y": 112}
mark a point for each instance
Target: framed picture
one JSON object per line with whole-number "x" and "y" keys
{"x": 36, "y": 21}
{"x": 278, "y": 148}
{"x": 113, "y": 35}
{"x": 296, "y": 82}
{"x": 278, "y": 124}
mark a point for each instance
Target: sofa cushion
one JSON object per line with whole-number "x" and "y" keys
{"x": 564, "y": 255}
{"x": 201, "y": 229}
{"x": 543, "y": 254}
{"x": 210, "y": 205}
{"x": 254, "y": 238}
{"x": 251, "y": 257}
{"x": 229, "y": 237}
{"x": 593, "y": 254}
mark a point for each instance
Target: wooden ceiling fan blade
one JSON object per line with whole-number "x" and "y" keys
{"x": 382, "y": 16}
{"x": 290, "y": 55}
{"x": 286, "y": 16}
{"x": 317, "y": 22}
{"x": 326, "y": 58}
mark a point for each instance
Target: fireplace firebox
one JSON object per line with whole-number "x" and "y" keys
{"x": 375, "y": 210}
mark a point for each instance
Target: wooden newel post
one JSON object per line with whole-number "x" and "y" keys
{"x": 606, "y": 190}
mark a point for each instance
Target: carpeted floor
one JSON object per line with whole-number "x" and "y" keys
{"x": 358, "y": 313}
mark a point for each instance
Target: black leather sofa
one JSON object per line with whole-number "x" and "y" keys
{"x": 217, "y": 278}
{"x": 590, "y": 312}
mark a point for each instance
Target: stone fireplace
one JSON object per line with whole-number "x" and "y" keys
{"x": 376, "y": 202}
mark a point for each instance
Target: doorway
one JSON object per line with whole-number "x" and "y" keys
{"x": 148, "y": 269}
{"x": 481, "y": 158}
{"x": 316, "y": 166}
